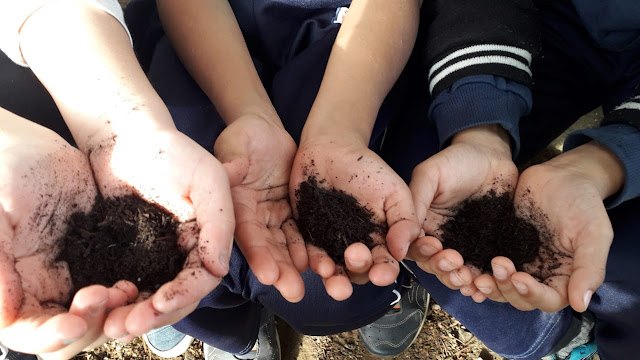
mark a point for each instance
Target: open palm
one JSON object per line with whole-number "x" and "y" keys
{"x": 45, "y": 180}
{"x": 359, "y": 172}
{"x": 257, "y": 156}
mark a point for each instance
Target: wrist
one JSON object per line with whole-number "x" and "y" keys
{"x": 595, "y": 163}
{"x": 494, "y": 137}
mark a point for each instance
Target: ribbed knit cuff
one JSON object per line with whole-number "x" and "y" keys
{"x": 624, "y": 142}
{"x": 481, "y": 100}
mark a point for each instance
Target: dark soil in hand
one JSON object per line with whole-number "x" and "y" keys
{"x": 122, "y": 238}
{"x": 486, "y": 227}
{"x": 332, "y": 220}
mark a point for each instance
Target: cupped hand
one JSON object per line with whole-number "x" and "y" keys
{"x": 43, "y": 181}
{"x": 477, "y": 161}
{"x": 564, "y": 197}
{"x": 257, "y": 154}
{"x": 349, "y": 166}
{"x": 167, "y": 168}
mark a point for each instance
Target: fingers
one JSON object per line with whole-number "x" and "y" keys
{"x": 385, "y": 269}
{"x": 290, "y": 284}
{"x": 589, "y": 263}
{"x": 402, "y": 221}
{"x": 48, "y": 329}
{"x": 423, "y": 186}
{"x": 211, "y": 198}
{"x": 338, "y": 286}
{"x": 143, "y": 317}
{"x": 525, "y": 293}
{"x": 296, "y": 246}
{"x": 190, "y": 285}
{"x": 358, "y": 259}
{"x": 255, "y": 241}
{"x": 424, "y": 248}
{"x": 320, "y": 263}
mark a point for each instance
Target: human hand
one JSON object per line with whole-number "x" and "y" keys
{"x": 477, "y": 161}
{"x": 565, "y": 196}
{"x": 45, "y": 180}
{"x": 347, "y": 165}
{"x": 257, "y": 154}
{"x": 167, "y": 168}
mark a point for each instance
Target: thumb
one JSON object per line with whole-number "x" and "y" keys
{"x": 424, "y": 186}
{"x": 589, "y": 264}
{"x": 10, "y": 283}
{"x": 237, "y": 170}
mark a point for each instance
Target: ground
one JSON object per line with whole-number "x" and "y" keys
{"x": 441, "y": 338}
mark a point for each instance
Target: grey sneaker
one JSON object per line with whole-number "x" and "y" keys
{"x": 267, "y": 347}
{"x": 6, "y": 354}
{"x": 167, "y": 342}
{"x": 394, "y": 332}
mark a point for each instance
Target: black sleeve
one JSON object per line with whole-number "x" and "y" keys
{"x": 627, "y": 113}
{"x": 462, "y": 38}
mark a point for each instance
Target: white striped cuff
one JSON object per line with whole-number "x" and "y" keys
{"x": 487, "y": 54}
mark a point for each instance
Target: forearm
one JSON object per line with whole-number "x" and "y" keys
{"x": 84, "y": 58}
{"x": 210, "y": 44}
{"x": 595, "y": 163}
{"x": 370, "y": 52}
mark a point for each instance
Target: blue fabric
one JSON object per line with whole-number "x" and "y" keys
{"x": 613, "y": 24}
{"x": 228, "y": 317}
{"x": 481, "y": 100}
{"x": 624, "y": 142}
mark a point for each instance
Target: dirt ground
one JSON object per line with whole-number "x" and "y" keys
{"x": 441, "y": 338}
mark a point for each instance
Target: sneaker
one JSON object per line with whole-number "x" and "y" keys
{"x": 267, "y": 347}
{"x": 394, "y": 332}
{"x": 167, "y": 342}
{"x": 6, "y": 354}
{"x": 588, "y": 351}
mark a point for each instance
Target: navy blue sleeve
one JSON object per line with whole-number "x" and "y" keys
{"x": 624, "y": 142}
{"x": 481, "y": 100}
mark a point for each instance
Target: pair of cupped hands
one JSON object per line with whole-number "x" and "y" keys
{"x": 247, "y": 193}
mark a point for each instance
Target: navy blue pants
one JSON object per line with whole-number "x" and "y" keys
{"x": 290, "y": 46}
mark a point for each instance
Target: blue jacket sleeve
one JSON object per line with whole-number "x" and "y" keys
{"x": 481, "y": 100}
{"x": 624, "y": 141}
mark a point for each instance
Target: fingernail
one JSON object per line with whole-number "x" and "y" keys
{"x": 485, "y": 291}
{"x": 520, "y": 287}
{"x": 456, "y": 279}
{"x": 97, "y": 309}
{"x": 427, "y": 250}
{"x": 587, "y": 298}
{"x": 446, "y": 265}
{"x": 356, "y": 264}
{"x": 499, "y": 272}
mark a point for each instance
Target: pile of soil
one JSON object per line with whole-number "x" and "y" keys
{"x": 488, "y": 226}
{"x": 332, "y": 220}
{"x": 122, "y": 238}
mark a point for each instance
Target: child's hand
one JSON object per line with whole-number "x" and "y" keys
{"x": 257, "y": 155}
{"x": 43, "y": 181}
{"x": 478, "y": 160}
{"x": 167, "y": 168}
{"x": 568, "y": 190}
{"x": 348, "y": 165}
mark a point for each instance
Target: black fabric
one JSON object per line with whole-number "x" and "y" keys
{"x": 625, "y": 116}
{"x": 22, "y": 94}
{"x": 450, "y": 25}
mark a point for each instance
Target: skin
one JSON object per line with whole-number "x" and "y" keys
{"x": 83, "y": 57}
{"x": 368, "y": 55}
{"x": 483, "y": 154}
{"x": 34, "y": 289}
{"x": 255, "y": 149}
{"x": 570, "y": 190}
